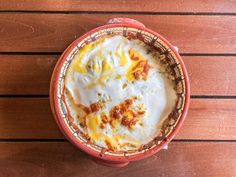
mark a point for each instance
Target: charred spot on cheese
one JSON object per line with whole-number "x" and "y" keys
{"x": 124, "y": 85}
{"x": 125, "y": 112}
{"x": 129, "y": 119}
{"x": 105, "y": 120}
{"x": 139, "y": 67}
{"x": 115, "y": 113}
{"x": 95, "y": 107}
{"x": 86, "y": 109}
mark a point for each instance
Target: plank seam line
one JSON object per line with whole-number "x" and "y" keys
{"x": 203, "y": 140}
{"x": 208, "y": 54}
{"x": 30, "y": 53}
{"x": 24, "y": 96}
{"x": 120, "y": 12}
{"x": 14, "y": 140}
{"x": 192, "y": 96}
{"x": 32, "y": 140}
{"x": 213, "y": 96}
{"x": 59, "y": 53}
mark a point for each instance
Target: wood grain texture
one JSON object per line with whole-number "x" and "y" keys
{"x": 213, "y": 119}
{"x": 62, "y": 159}
{"x": 26, "y": 74}
{"x": 49, "y": 26}
{"x": 30, "y": 74}
{"x": 22, "y": 118}
{"x": 209, "y": 6}
{"x": 211, "y": 75}
{"x": 22, "y": 32}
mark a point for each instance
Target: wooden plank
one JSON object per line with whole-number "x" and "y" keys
{"x": 22, "y": 32}
{"x": 213, "y": 119}
{"x": 211, "y": 75}
{"x": 26, "y": 74}
{"x": 27, "y": 118}
{"x": 45, "y": 159}
{"x": 30, "y": 74}
{"x": 215, "y": 6}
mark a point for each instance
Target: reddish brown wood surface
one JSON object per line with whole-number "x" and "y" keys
{"x": 211, "y": 75}
{"x": 34, "y": 33}
{"x": 26, "y": 74}
{"x": 38, "y": 32}
{"x": 213, "y": 119}
{"x": 28, "y": 118}
{"x": 62, "y": 159}
{"x": 216, "y": 6}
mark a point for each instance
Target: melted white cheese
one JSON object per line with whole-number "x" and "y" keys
{"x": 110, "y": 61}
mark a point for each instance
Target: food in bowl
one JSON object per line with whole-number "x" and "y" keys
{"x": 119, "y": 92}
{"x": 110, "y": 124}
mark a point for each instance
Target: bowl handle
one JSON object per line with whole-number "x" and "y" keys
{"x": 176, "y": 48}
{"x": 131, "y": 22}
{"x": 110, "y": 163}
{"x": 125, "y": 21}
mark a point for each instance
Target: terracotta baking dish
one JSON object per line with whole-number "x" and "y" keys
{"x": 132, "y": 29}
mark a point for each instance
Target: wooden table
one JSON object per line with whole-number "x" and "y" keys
{"x": 34, "y": 33}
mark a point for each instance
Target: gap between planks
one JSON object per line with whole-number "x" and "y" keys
{"x": 14, "y": 140}
{"x": 60, "y": 53}
{"x": 120, "y": 12}
{"x": 192, "y": 96}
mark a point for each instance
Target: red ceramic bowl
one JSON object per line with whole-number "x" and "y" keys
{"x": 134, "y": 29}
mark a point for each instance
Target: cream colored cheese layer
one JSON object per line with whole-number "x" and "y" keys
{"x": 109, "y": 72}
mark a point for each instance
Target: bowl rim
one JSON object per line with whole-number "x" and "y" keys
{"x": 64, "y": 128}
